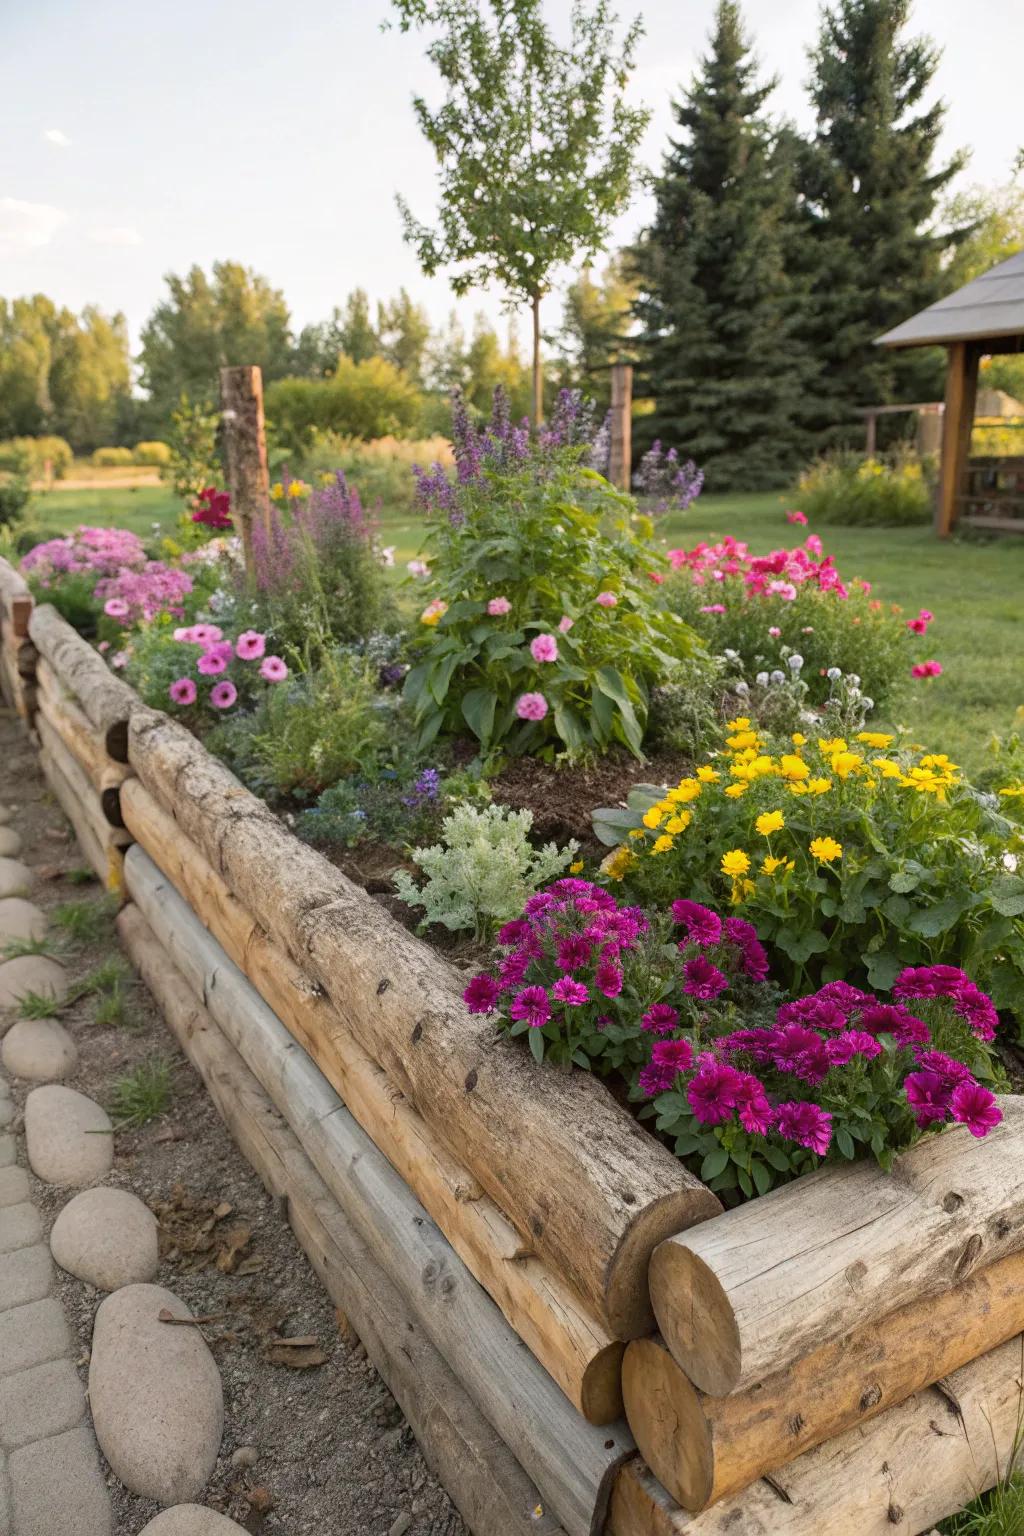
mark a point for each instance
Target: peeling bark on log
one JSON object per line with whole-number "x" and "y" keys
{"x": 107, "y": 701}
{"x": 773, "y": 1280}
{"x": 704, "y": 1448}
{"x": 588, "y": 1187}
{"x": 580, "y": 1356}
{"x": 572, "y": 1463}
{"x": 89, "y": 751}
{"x": 480, "y": 1474}
{"x": 908, "y": 1468}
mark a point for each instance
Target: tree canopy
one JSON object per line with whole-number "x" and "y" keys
{"x": 63, "y": 373}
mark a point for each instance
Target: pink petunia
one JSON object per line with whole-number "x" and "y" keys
{"x": 205, "y": 634}
{"x": 531, "y": 706}
{"x": 796, "y": 517}
{"x": 250, "y": 645}
{"x": 210, "y": 663}
{"x": 775, "y": 631}
{"x": 573, "y": 993}
{"x": 498, "y": 606}
{"x": 713, "y": 608}
{"x": 918, "y": 626}
{"x": 273, "y": 669}
{"x": 607, "y": 599}
{"x": 544, "y": 648}
{"x": 115, "y": 608}
{"x": 183, "y": 691}
{"x": 223, "y": 695}
{"x": 565, "y": 624}
{"x": 656, "y": 576}
{"x": 813, "y": 543}
{"x": 927, "y": 669}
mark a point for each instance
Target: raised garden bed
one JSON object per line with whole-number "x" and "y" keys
{"x": 521, "y": 1218}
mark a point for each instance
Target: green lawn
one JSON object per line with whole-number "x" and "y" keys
{"x": 975, "y": 590}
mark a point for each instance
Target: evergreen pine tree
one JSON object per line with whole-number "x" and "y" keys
{"x": 716, "y": 307}
{"x": 869, "y": 192}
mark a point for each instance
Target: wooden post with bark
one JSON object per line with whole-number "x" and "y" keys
{"x": 620, "y": 460}
{"x": 245, "y": 441}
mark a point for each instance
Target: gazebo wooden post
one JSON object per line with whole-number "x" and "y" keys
{"x": 620, "y": 456}
{"x": 245, "y": 440}
{"x": 957, "y": 421}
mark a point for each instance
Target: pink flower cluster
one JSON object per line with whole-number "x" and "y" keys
{"x": 213, "y": 508}
{"x": 919, "y": 626}
{"x": 138, "y": 596}
{"x": 215, "y": 656}
{"x": 926, "y": 669}
{"x": 776, "y": 575}
{"x": 100, "y": 551}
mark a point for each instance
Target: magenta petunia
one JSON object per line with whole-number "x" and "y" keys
{"x": 533, "y": 1005}
{"x": 573, "y": 951}
{"x": 755, "y": 1113}
{"x": 250, "y": 645}
{"x": 573, "y": 993}
{"x": 273, "y": 669}
{"x": 512, "y": 932}
{"x": 544, "y": 648}
{"x": 677, "y": 1054}
{"x": 660, "y": 1019}
{"x": 702, "y": 979}
{"x": 116, "y": 608}
{"x": 656, "y": 1077}
{"x": 223, "y": 695}
{"x": 481, "y": 995}
{"x": 609, "y": 978}
{"x": 183, "y": 691}
{"x": 513, "y": 971}
{"x": 210, "y": 663}
{"x": 702, "y": 925}
{"x": 928, "y": 1095}
{"x": 975, "y": 1107}
{"x": 713, "y": 1090}
{"x": 806, "y": 1124}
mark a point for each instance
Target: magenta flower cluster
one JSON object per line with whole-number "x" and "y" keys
{"x": 96, "y": 551}
{"x": 777, "y": 574}
{"x": 138, "y": 596}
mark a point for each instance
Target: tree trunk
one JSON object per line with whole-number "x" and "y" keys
{"x": 905, "y": 1470}
{"x": 772, "y": 1280}
{"x": 483, "y": 1478}
{"x": 705, "y": 1448}
{"x": 245, "y": 441}
{"x": 538, "y": 372}
{"x": 591, "y": 1191}
{"x": 575, "y": 1351}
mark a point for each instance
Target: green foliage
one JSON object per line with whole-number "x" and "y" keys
{"x": 380, "y": 470}
{"x": 565, "y": 556}
{"x": 155, "y": 453}
{"x": 109, "y": 977}
{"x": 685, "y": 715}
{"x": 597, "y": 325}
{"x": 12, "y": 948}
{"x": 401, "y": 336}
{"x": 401, "y": 804}
{"x": 14, "y": 498}
{"x": 847, "y": 488}
{"x": 483, "y": 869}
{"x": 34, "y": 1005}
{"x": 29, "y": 456}
{"x": 62, "y": 373}
{"x": 995, "y": 218}
{"x": 366, "y": 399}
{"x": 72, "y": 596}
{"x": 113, "y": 458}
{"x": 83, "y": 876}
{"x": 84, "y": 922}
{"x": 193, "y": 462}
{"x": 143, "y": 1094}
{"x": 309, "y": 732}
{"x": 718, "y": 310}
{"x": 535, "y": 141}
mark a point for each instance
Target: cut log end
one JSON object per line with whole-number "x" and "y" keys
{"x": 664, "y": 1412}
{"x": 630, "y": 1313}
{"x": 601, "y": 1388}
{"x": 116, "y": 740}
{"x": 696, "y": 1318}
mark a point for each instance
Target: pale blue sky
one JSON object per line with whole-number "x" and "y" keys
{"x": 140, "y": 136}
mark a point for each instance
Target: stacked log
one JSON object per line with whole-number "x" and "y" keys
{"x": 17, "y": 653}
{"x": 588, "y": 1189}
{"x": 572, "y": 1464}
{"x": 104, "y": 699}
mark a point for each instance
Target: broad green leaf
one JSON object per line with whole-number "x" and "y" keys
{"x": 537, "y": 1045}
{"x": 936, "y": 919}
{"x": 478, "y": 712}
{"x": 714, "y": 1164}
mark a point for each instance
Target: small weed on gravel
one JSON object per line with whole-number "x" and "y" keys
{"x": 14, "y": 948}
{"x": 33, "y": 1005}
{"x": 106, "y": 978}
{"x": 143, "y": 1094}
{"x": 85, "y": 922}
{"x": 79, "y": 876}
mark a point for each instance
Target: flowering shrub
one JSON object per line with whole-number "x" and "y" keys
{"x": 838, "y": 1075}
{"x": 853, "y": 859}
{"x": 594, "y": 983}
{"x": 190, "y": 670}
{"x": 397, "y": 804}
{"x": 669, "y": 484}
{"x": 866, "y": 492}
{"x": 483, "y": 869}
{"x": 542, "y": 631}
{"x": 136, "y": 596}
{"x": 213, "y": 509}
{"x": 761, "y": 612}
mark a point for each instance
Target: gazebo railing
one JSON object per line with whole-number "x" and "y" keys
{"x": 992, "y": 496}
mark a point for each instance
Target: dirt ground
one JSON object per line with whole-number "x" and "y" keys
{"x": 330, "y": 1452}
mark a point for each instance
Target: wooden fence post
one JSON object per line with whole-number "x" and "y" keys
{"x": 957, "y": 420}
{"x": 620, "y": 458}
{"x": 245, "y": 439}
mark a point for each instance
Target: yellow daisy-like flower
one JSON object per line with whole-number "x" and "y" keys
{"x": 577, "y": 868}
{"x": 653, "y": 817}
{"x": 618, "y": 862}
{"x": 708, "y": 775}
{"x": 679, "y": 822}
{"x": 762, "y": 766}
{"x": 663, "y": 844}
{"x": 845, "y": 763}
{"x": 877, "y": 739}
{"x": 297, "y": 488}
{"x": 1013, "y": 791}
{"x": 741, "y": 723}
{"x": 742, "y": 739}
{"x": 636, "y": 832}
{"x": 836, "y": 744}
{"x": 741, "y": 889}
{"x": 769, "y": 822}
{"x": 798, "y": 788}
{"x": 825, "y": 849}
{"x": 770, "y": 864}
{"x": 735, "y": 790}
{"x": 798, "y": 739}
{"x": 735, "y": 862}
{"x": 793, "y": 767}
{"x": 277, "y": 491}
{"x": 818, "y": 786}
{"x": 887, "y": 768}
{"x": 686, "y": 789}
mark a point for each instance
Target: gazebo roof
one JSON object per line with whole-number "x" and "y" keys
{"x": 989, "y": 306}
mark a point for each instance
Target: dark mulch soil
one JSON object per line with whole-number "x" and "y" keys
{"x": 562, "y": 798}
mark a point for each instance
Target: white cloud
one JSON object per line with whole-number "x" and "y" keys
{"x": 55, "y": 136}
{"x": 27, "y": 226}
{"x": 115, "y": 234}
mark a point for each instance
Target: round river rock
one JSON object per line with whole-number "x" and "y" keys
{"x": 21, "y": 919}
{"x": 10, "y": 843}
{"x": 155, "y": 1394}
{"x": 106, "y": 1237}
{"x": 190, "y": 1520}
{"x": 31, "y": 973}
{"x": 68, "y": 1136}
{"x": 15, "y": 877}
{"x": 39, "y": 1049}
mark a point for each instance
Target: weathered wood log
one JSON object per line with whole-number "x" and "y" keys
{"x": 15, "y": 598}
{"x": 105, "y": 699}
{"x": 102, "y": 844}
{"x": 245, "y": 443}
{"x": 22, "y": 652}
{"x": 573, "y": 1348}
{"x": 589, "y": 1188}
{"x": 84, "y": 744}
{"x": 909, "y": 1467}
{"x": 704, "y": 1448}
{"x": 106, "y": 862}
{"x": 572, "y": 1463}
{"x": 482, "y": 1477}
{"x": 777, "y": 1278}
